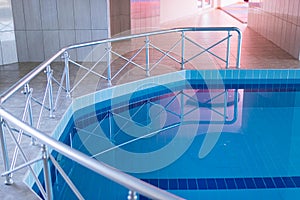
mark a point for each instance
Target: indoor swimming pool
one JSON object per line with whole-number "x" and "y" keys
{"x": 228, "y": 134}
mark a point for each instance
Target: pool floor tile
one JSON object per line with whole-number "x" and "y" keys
{"x": 288, "y": 182}
{"x": 211, "y": 183}
{"x": 202, "y": 184}
{"x": 296, "y": 181}
{"x": 259, "y": 183}
{"x": 221, "y": 183}
{"x": 173, "y": 184}
{"x": 240, "y": 183}
{"x": 230, "y": 183}
{"x": 269, "y": 182}
{"x": 250, "y": 183}
{"x": 192, "y": 184}
{"x": 226, "y": 183}
{"x": 182, "y": 184}
{"x": 279, "y": 182}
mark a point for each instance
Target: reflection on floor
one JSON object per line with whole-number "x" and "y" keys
{"x": 239, "y": 11}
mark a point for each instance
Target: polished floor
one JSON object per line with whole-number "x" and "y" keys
{"x": 257, "y": 52}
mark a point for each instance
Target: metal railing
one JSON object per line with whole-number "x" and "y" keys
{"x": 27, "y": 126}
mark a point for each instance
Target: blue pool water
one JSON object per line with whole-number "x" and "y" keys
{"x": 222, "y": 142}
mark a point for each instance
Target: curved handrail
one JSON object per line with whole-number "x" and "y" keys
{"x": 44, "y": 64}
{"x": 109, "y": 172}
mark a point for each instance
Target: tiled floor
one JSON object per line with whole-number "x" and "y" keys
{"x": 238, "y": 11}
{"x": 257, "y": 52}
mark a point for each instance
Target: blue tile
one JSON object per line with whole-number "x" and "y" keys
{"x": 230, "y": 183}
{"x": 229, "y": 74}
{"x": 173, "y": 184}
{"x": 236, "y": 74}
{"x": 163, "y": 184}
{"x": 215, "y": 74}
{"x": 259, "y": 183}
{"x": 192, "y": 184}
{"x": 153, "y": 182}
{"x": 243, "y": 74}
{"x": 221, "y": 183}
{"x": 249, "y": 74}
{"x": 211, "y": 183}
{"x": 296, "y": 180}
{"x": 288, "y": 182}
{"x": 284, "y": 74}
{"x": 141, "y": 197}
{"x": 201, "y": 183}
{"x": 269, "y": 182}
{"x": 278, "y": 182}
{"x": 249, "y": 183}
{"x": 222, "y": 73}
{"x": 256, "y": 74}
{"x": 146, "y": 180}
{"x": 182, "y": 184}
{"x": 240, "y": 183}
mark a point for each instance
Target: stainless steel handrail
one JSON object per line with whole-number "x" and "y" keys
{"x": 132, "y": 183}
{"x": 44, "y": 64}
{"x": 111, "y": 173}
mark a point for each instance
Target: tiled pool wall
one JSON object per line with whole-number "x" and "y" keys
{"x": 230, "y": 76}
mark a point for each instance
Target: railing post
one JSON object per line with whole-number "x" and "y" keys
{"x": 47, "y": 176}
{"x": 8, "y": 177}
{"x": 239, "y": 49}
{"x": 182, "y": 105}
{"x": 182, "y": 49}
{"x": 109, "y": 65}
{"x": 132, "y": 195}
{"x": 225, "y": 104}
{"x": 28, "y": 93}
{"x": 228, "y": 51}
{"x": 147, "y": 56}
{"x": 49, "y": 73}
{"x": 236, "y": 100}
{"x": 67, "y": 73}
{"x": 110, "y": 125}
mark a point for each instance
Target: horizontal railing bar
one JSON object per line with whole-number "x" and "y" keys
{"x": 4, "y": 96}
{"x": 21, "y": 166}
{"x": 152, "y": 34}
{"x": 101, "y": 168}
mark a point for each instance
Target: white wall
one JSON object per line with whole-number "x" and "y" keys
{"x": 42, "y": 27}
{"x": 8, "y": 52}
{"x": 278, "y": 21}
{"x": 174, "y": 9}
